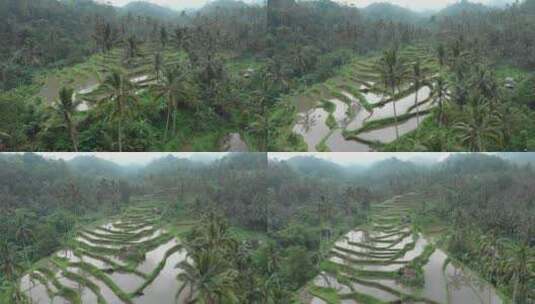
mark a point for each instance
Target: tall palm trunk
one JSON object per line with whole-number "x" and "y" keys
{"x": 417, "y": 106}
{"x": 174, "y": 118}
{"x": 120, "y": 123}
{"x": 120, "y": 131}
{"x": 395, "y": 110}
{"x": 167, "y": 122}
{"x": 72, "y": 132}
{"x": 169, "y": 110}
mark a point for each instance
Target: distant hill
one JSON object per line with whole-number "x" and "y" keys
{"x": 473, "y": 163}
{"x": 391, "y": 166}
{"x": 313, "y": 166}
{"x": 168, "y": 165}
{"x": 390, "y": 12}
{"x": 500, "y": 3}
{"x": 519, "y": 158}
{"x": 212, "y": 6}
{"x": 426, "y": 160}
{"x": 528, "y": 5}
{"x": 142, "y": 8}
{"x": 94, "y": 166}
{"x": 464, "y": 7}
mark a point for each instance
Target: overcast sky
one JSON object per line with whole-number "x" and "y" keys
{"x": 342, "y": 158}
{"x": 363, "y": 159}
{"x": 128, "y": 158}
{"x": 412, "y": 4}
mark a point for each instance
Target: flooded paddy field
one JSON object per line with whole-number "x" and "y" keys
{"x": 362, "y": 109}
{"x": 381, "y": 262}
{"x": 131, "y": 259}
{"x": 86, "y": 78}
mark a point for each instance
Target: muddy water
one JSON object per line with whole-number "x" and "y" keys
{"x": 358, "y": 121}
{"x": 95, "y": 262}
{"x": 388, "y": 134}
{"x": 82, "y": 85}
{"x": 35, "y": 290}
{"x": 312, "y": 122}
{"x": 340, "y": 112}
{"x": 337, "y": 142}
{"x": 87, "y": 242}
{"x": 154, "y": 235}
{"x": 105, "y": 291}
{"x": 311, "y": 125}
{"x": 165, "y": 286}
{"x": 153, "y": 258}
{"x": 418, "y": 250}
{"x": 402, "y": 105}
{"x": 377, "y": 293}
{"x": 50, "y": 90}
{"x": 86, "y": 294}
{"x": 373, "y": 98}
{"x": 455, "y": 284}
{"x": 234, "y": 143}
{"x": 128, "y": 282}
{"x": 465, "y": 287}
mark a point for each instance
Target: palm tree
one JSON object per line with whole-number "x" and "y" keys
{"x": 392, "y": 70}
{"x": 207, "y": 271}
{"x": 158, "y": 65}
{"x": 441, "y": 54}
{"x": 178, "y": 36}
{"x": 485, "y": 83}
{"x": 518, "y": 268}
{"x": 163, "y": 36}
{"x": 174, "y": 87}
{"x": 272, "y": 290}
{"x": 261, "y": 126}
{"x": 441, "y": 92}
{"x": 488, "y": 245}
{"x": 208, "y": 278}
{"x": 67, "y": 108}
{"x": 214, "y": 234}
{"x": 11, "y": 270}
{"x": 9, "y": 266}
{"x": 121, "y": 92}
{"x": 24, "y": 232}
{"x": 480, "y": 126}
{"x": 131, "y": 47}
{"x": 417, "y": 75}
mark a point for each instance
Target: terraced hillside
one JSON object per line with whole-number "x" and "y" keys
{"x": 389, "y": 262}
{"x": 128, "y": 260}
{"x": 86, "y": 78}
{"x": 354, "y": 112}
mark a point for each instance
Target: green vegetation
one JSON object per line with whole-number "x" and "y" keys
{"x": 78, "y": 75}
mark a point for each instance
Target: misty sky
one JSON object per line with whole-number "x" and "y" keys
{"x": 126, "y": 158}
{"x": 342, "y": 158}
{"x": 360, "y": 158}
{"x": 412, "y": 4}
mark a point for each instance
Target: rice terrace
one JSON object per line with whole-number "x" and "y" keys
{"x": 310, "y": 228}
{"x": 129, "y": 260}
{"x": 275, "y": 75}
{"x": 365, "y": 265}
{"x": 354, "y": 111}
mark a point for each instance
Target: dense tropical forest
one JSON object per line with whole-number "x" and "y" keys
{"x": 77, "y": 75}
{"x": 253, "y": 228}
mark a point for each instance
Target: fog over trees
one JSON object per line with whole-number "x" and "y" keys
{"x": 290, "y": 210}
